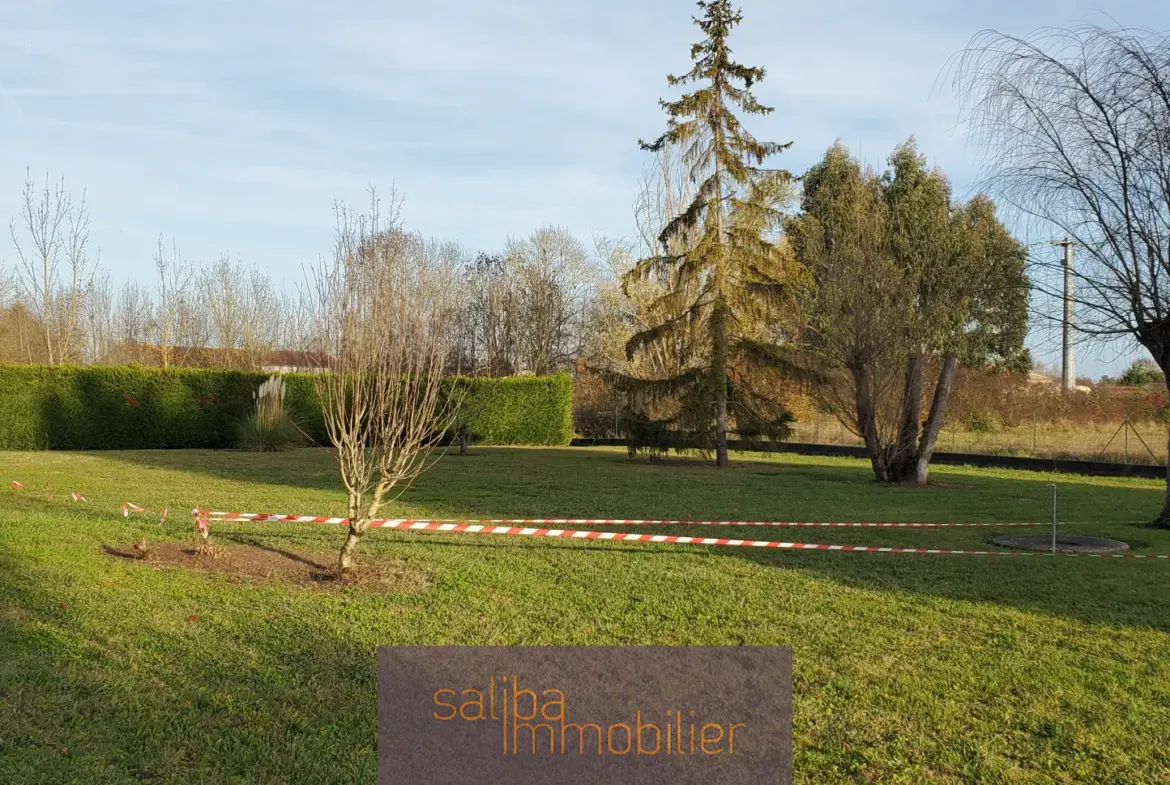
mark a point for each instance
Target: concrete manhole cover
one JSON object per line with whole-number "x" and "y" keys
{"x": 1069, "y": 543}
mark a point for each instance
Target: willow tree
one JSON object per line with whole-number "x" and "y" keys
{"x": 716, "y": 264}
{"x": 1075, "y": 128}
{"x": 907, "y": 287}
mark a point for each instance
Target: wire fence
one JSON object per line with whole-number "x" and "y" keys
{"x": 1142, "y": 443}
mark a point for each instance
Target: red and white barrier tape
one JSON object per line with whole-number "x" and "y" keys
{"x": 273, "y": 518}
{"x": 202, "y": 517}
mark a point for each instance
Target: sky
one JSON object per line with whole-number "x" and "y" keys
{"x": 233, "y": 126}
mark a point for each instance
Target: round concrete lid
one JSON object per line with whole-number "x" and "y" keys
{"x": 1069, "y": 543}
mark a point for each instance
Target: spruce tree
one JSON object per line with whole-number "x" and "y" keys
{"x": 721, "y": 274}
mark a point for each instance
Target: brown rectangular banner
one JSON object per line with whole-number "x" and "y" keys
{"x": 569, "y": 715}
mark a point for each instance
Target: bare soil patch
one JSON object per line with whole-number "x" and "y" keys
{"x": 252, "y": 561}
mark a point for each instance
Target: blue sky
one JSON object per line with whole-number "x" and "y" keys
{"x": 232, "y": 125}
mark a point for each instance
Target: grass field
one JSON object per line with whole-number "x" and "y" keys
{"x": 907, "y": 668}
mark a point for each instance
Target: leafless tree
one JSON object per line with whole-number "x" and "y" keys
{"x": 554, "y": 282}
{"x": 175, "y": 281}
{"x": 260, "y": 320}
{"x": 242, "y": 310}
{"x": 385, "y": 306}
{"x": 131, "y": 321}
{"x": 55, "y": 271}
{"x": 493, "y": 316}
{"x": 99, "y": 322}
{"x": 223, "y": 288}
{"x": 1075, "y": 125}
{"x": 8, "y": 288}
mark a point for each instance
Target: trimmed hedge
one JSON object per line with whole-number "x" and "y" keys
{"x": 134, "y": 408}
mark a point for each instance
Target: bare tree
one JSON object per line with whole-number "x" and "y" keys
{"x": 54, "y": 272}
{"x": 493, "y": 316}
{"x": 175, "y": 279}
{"x": 131, "y": 321}
{"x": 260, "y": 318}
{"x": 1075, "y": 125}
{"x": 99, "y": 322}
{"x": 554, "y": 281}
{"x": 385, "y": 308}
{"x": 8, "y": 288}
{"x": 242, "y": 309}
{"x": 223, "y": 288}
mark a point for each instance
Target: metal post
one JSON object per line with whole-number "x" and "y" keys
{"x": 1033, "y": 434}
{"x": 1053, "y": 517}
{"x": 1127, "y": 440}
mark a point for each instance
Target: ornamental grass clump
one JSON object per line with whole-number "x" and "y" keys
{"x": 269, "y": 428}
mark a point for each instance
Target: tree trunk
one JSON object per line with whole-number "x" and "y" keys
{"x": 934, "y": 420}
{"x": 903, "y": 458}
{"x": 720, "y": 361}
{"x": 867, "y": 424}
{"x": 464, "y": 440}
{"x": 1163, "y": 519}
{"x": 357, "y": 527}
{"x": 348, "y": 549}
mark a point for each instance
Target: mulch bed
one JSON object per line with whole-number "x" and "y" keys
{"x": 252, "y": 561}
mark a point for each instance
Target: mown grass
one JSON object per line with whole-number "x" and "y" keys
{"x": 908, "y": 669}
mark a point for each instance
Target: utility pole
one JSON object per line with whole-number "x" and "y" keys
{"x": 1068, "y": 375}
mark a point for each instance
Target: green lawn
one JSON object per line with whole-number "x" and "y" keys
{"x": 908, "y": 668}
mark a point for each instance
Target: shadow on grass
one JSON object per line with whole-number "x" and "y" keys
{"x": 1113, "y": 592}
{"x": 150, "y": 695}
{"x": 255, "y": 543}
{"x": 579, "y": 482}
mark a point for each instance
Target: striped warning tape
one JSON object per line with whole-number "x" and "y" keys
{"x": 202, "y": 517}
{"x": 261, "y": 517}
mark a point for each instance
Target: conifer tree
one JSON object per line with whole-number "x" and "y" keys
{"x": 722, "y": 276}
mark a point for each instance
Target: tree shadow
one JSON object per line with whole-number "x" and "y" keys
{"x": 255, "y": 543}
{"x": 149, "y": 694}
{"x": 1099, "y": 591}
{"x": 579, "y": 482}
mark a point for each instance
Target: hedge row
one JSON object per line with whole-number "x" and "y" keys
{"x": 129, "y": 407}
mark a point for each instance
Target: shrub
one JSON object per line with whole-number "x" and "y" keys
{"x": 533, "y": 410}
{"x": 269, "y": 428}
{"x": 981, "y": 422}
{"x": 124, "y": 407}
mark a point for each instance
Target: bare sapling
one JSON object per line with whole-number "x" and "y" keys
{"x": 385, "y": 310}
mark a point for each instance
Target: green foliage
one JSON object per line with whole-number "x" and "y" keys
{"x": 127, "y": 407}
{"x": 981, "y": 422}
{"x": 261, "y": 433}
{"x": 535, "y": 410}
{"x": 723, "y": 279}
{"x": 269, "y": 428}
{"x": 1139, "y": 373}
